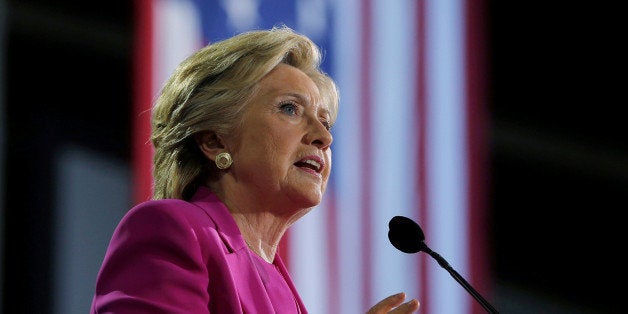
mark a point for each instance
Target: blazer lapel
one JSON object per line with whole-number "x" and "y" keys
{"x": 246, "y": 278}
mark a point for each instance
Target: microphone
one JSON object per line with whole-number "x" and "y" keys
{"x": 406, "y": 236}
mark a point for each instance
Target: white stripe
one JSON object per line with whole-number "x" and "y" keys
{"x": 446, "y": 156}
{"x": 393, "y": 147}
{"x": 177, "y": 32}
{"x": 347, "y": 162}
{"x": 308, "y": 261}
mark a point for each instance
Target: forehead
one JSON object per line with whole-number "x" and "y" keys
{"x": 284, "y": 78}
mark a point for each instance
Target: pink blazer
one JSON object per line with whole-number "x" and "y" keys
{"x": 174, "y": 256}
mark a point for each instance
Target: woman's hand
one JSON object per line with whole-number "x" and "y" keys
{"x": 392, "y": 304}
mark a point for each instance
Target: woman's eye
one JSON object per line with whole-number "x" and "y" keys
{"x": 326, "y": 124}
{"x": 289, "y": 108}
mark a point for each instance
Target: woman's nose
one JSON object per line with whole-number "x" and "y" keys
{"x": 319, "y": 135}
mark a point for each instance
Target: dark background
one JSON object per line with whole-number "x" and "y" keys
{"x": 558, "y": 154}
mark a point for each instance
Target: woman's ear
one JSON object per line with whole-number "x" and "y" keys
{"x": 209, "y": 143}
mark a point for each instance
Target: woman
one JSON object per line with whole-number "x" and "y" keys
{"x": 242, "y": 140}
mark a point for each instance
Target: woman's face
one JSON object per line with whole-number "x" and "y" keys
{"x": 282, "y": 151}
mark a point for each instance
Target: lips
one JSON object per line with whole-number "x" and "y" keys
{"x": 311, "y": 162}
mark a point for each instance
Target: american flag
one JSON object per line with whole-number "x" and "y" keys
{"x": 409, "y": 140}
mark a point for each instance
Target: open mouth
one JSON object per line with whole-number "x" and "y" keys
{"x": 310, "y": 163}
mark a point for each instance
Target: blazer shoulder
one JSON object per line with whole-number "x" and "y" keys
{"x": 163, "y": 205}
{"x": 172, "y": 209}
{"x": 209, "y": 221}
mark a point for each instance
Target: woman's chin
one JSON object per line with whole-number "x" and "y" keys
{"x": 306, "y": 200}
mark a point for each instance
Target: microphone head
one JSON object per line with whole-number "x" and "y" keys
{"x": 405, "y": 235}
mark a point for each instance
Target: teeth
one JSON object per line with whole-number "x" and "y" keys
{"x": 313, "y": 163}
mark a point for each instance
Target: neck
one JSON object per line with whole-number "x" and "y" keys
{"x": 261, "y": 219}
{"x": 261, "y": 233}
{"x": 266, "y": 251}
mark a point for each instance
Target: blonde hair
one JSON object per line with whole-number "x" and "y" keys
{"x": 208, "y": 92}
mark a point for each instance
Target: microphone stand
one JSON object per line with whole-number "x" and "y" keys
{"x": 443, "y": 263}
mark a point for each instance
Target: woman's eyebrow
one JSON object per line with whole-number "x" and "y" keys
{"x": 302, "y": 97}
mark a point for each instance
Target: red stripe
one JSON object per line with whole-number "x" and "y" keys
{"x": 421, "y": 107}
{"x": 367, "y": 136}
{"x": 475, "y": 45}
{"x": 142, "y": 83}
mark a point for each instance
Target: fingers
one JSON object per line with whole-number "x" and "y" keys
{"x": 384, "y": 306}
{"x": 408, "y": 307}
{"x": 394, "y": 302}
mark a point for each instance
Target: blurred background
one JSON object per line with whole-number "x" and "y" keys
{"x": 557, "y": 174}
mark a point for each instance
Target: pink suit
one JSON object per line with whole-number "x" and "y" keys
{"x": 175, "y": 256}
